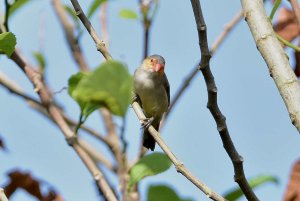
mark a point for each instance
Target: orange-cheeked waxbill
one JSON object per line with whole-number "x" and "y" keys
{"x": 152, "y": 91}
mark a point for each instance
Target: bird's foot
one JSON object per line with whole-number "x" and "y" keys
{"x": 146, "y": 123}
{"x": 134, "y": 98}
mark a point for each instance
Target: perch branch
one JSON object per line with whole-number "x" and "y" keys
{"x": 212, "y": 104}
{"x": 178, "y": 164}
{"x": 274, "y": 56}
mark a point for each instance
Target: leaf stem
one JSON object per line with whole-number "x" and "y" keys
{"x": 287, "y": 43}
{"x": 274, "y": 9}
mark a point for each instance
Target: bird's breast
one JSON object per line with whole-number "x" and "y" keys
{"x": 152, "y": 93}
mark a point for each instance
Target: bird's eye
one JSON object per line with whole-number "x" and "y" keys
{"x": 151, "y": 60}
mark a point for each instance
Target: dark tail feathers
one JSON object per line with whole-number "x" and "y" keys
{"x": 148, "y": 140}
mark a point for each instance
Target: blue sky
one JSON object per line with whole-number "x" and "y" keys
{"x": 256, "y": 115}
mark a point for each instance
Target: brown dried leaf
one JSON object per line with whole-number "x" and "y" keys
{"x": 287, "y": 26}
{"x": 25, "y": 181}
{"x": 292, "y": 192}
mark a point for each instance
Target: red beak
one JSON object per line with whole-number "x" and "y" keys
{"x": 159, "y": 67}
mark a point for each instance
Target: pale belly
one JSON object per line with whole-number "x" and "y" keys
{"x": 153, "y": 96}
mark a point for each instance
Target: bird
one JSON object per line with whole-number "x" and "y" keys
{"x": 152, "y": 91}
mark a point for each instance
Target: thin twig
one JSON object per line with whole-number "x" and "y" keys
{"x": 178, "y": 164}
{"x": 279, "y": 67}
{"x": 112, "y": 139}
{"x": 107, "y": 116}
{"x": 55, "y": 114}
{"x": 220, "y": 39}
{"x": 146, "y": 39}
{"x": 2, "y": 195}
{"x": 95, "y": 154}
{"x": 103, "y": 23}
{"x": 296, "y": 10}
{"x": 69, "y": 34}
{"x": 37, "y": 105}
{"x": 7, "y": 7}
{"x": 212, "y": 104}
{"x": 99, "y": 43}
{"x": 228, "y": 27}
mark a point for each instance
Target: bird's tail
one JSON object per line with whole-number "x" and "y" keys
{"x": 148, "y": 140}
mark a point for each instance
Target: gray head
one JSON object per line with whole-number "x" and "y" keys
{"x": 154, "y": 63}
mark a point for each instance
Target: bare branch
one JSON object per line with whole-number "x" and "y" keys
{"x": 37, "y": 105}
{"x": 103, "y": 23}
{"x": 228, "y": 27}
{"x": 98, "y": 157}
{"x": 212, "y": 104}
{"x": 296, "y": 10}
{"x": 99, "y": 43}
{"x": 55, "y": 114}
{"x": 274, "y": 56}
{"x": 178, "y": 164}
{"x": 69, "y": 34}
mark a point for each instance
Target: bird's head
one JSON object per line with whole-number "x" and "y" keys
{"x": 154, "y": 63}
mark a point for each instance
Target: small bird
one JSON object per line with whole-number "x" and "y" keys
{"x": 152, "y": 91}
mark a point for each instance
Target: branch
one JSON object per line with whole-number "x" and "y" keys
{"x": 296, "y": 10}
{"x": 100, "y": 44}
{"x": 69, "y": 34}
{"x": 2, "y": 195}
{"x": 7, "y": 7}
{"x": 98, "y": 157}
{"x": 37, "y": 105}
{"x": 178, "y": 164}
{"x": 103, "y": 23}
{"x": 274, "y": 56}
{"x": 55, "y": 114}
{"x": 228, "y": 27}
{"x": 212, "y": 104}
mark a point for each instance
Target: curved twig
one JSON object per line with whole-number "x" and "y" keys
{"x": 212, "y": 104}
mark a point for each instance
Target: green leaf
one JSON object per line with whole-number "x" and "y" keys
{"x": 85, "y": 107}
{"x": 94, "y": 6}
{"x": 16, "y": 5}
{"x": 8, "y": 42}
{"x": 128, "y": 14}
{"x": 162, "y": 192}
{"x": 149, "y": 165}
{"x": 110, "y": 86}
{"x": 73, "y": 82}
{"x": 237, "y": 193}
{"x": 40, "y": 59}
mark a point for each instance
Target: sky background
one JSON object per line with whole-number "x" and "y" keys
{"x": 256, "y": 115}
